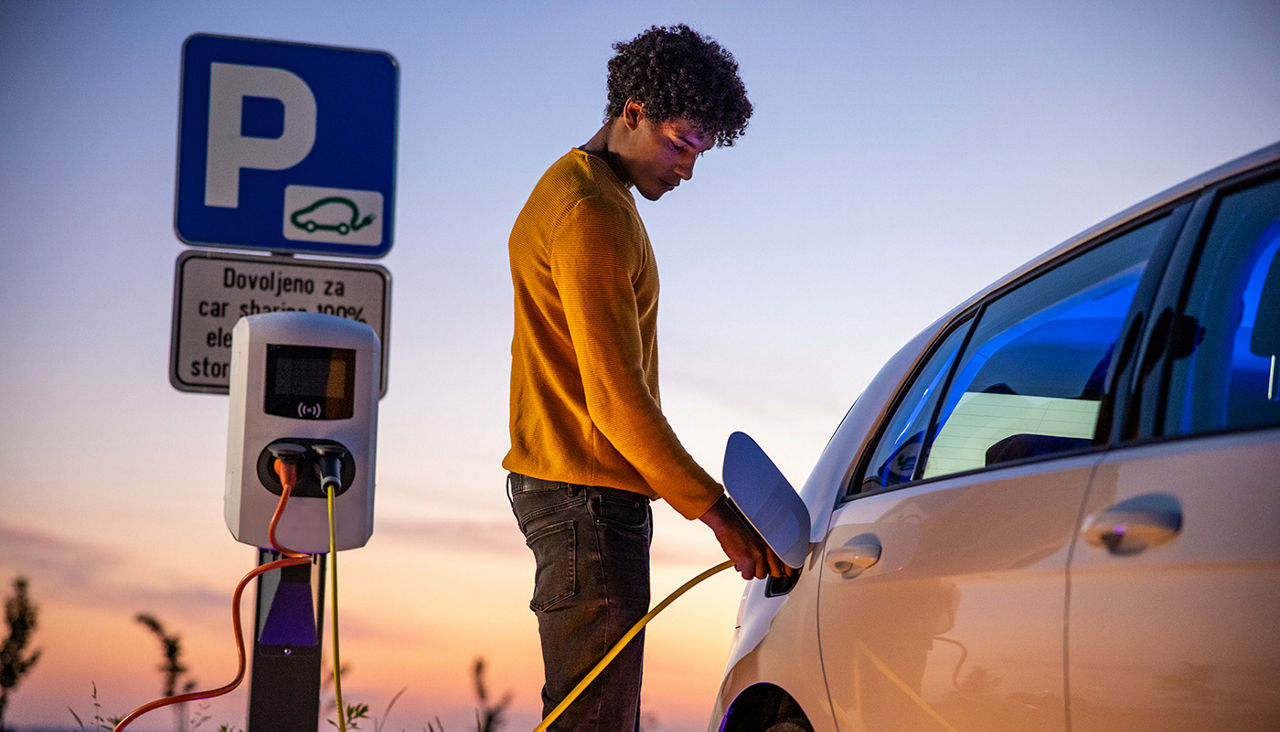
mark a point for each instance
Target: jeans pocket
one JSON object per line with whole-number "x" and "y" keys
{"x": 554, "y": 550}
{"x": 620, "y": 508}
{"x": 535, "y": 501}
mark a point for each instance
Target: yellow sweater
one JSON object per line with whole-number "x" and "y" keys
{"x": 584, "y": 360}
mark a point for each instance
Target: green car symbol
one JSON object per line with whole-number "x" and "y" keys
{"x": 334, "y": 213}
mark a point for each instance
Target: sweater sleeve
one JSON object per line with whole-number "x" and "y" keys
{"x": 595, "y": 261}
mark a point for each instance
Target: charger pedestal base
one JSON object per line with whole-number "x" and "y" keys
{"x": 284, "y": 683}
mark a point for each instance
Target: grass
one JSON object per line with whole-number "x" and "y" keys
{"x": 489, "y": 715}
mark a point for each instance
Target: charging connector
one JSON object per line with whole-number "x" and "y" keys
{"x": 329, "y": 459}
{"x": 328, "y": 465}
{"x": 286, "y": 461}
{"x": 288, "y": 456}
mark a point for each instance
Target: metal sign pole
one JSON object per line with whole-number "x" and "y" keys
{"x": 284, "y": 684}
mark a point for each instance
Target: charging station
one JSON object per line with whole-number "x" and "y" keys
{"x": 304, "y": 388}
{"x": 302, "y": 383}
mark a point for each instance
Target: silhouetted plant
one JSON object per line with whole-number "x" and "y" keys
{"x": 21, "y": 615}
{"x": 100, "y": 723}
{"x": 377, "y": 725}
{"x": 488, "y": 718}
{"x": 172, "y": 667}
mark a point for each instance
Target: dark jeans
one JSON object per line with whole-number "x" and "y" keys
{"x": 591, "y": 545}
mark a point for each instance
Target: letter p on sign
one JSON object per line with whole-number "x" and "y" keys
{"x": 229, "y": 149}
{"x": 287, "y": 147}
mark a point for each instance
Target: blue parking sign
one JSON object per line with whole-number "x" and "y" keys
{"x": 287, "y": 147}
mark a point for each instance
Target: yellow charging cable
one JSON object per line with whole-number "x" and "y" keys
{"x": 626, "y": 638}
{"x": 333, "y": 591}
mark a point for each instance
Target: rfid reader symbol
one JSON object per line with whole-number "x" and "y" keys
{"x": 333, "y": 213}
{"x": 312, "y": 411}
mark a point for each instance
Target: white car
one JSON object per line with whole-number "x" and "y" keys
{"x": 1058, "y": 507}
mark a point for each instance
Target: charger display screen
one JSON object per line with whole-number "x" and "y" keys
{"x": 310, "y": 382}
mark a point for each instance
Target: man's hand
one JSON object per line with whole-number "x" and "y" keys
{"x": 751, "y": 556}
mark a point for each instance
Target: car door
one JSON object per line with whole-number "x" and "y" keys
{"x": 959, "y": 623}
{"x": 1175, "y": 581}
{"x": 942, "y": 599}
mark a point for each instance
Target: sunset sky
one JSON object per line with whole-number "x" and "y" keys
{"x": 902, "y": 156}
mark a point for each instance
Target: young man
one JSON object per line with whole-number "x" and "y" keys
{"x": 589, "y": 444}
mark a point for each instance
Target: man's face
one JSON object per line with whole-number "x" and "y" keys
{"x": 658, "y": 156}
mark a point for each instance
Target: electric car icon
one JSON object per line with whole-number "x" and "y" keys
{"x": 333, "y": 213}
{"x": 1056, "y": 507}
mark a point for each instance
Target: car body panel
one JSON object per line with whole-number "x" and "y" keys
{"x": 772, "y": 633}
{"x": 1180, "y": 633}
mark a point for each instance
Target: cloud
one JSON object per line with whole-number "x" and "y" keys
{"x": 93, "y": 573}
{"x": 68, "y": 562}
{"x": 496, "y": 537}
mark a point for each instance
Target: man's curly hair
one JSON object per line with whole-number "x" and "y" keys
{"x": 678, "y": 73}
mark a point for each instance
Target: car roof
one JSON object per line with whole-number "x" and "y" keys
{"x": 1268, "y": 154}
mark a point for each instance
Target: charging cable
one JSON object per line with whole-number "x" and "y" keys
{"x": 286, "y": 463}
{"x": 622, "y": 643}
{"x": 329, "y": 470}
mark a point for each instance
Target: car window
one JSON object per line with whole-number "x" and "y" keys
{"x": 1030, "y": 380}
{"x": 1031, "y": 376}
{"x": 895, "y": 456}
{"x": 1226, "y": 374}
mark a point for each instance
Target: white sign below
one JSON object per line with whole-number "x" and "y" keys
{"x": 212, "y": 290}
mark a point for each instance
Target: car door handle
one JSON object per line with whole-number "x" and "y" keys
{"x": 851, "y": 559}
{"x": 1136, "y": 524}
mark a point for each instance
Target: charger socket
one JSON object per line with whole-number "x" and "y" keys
{"x": 308, "y": 485}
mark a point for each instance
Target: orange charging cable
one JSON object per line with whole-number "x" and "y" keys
{"x": 288, "y": 472}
